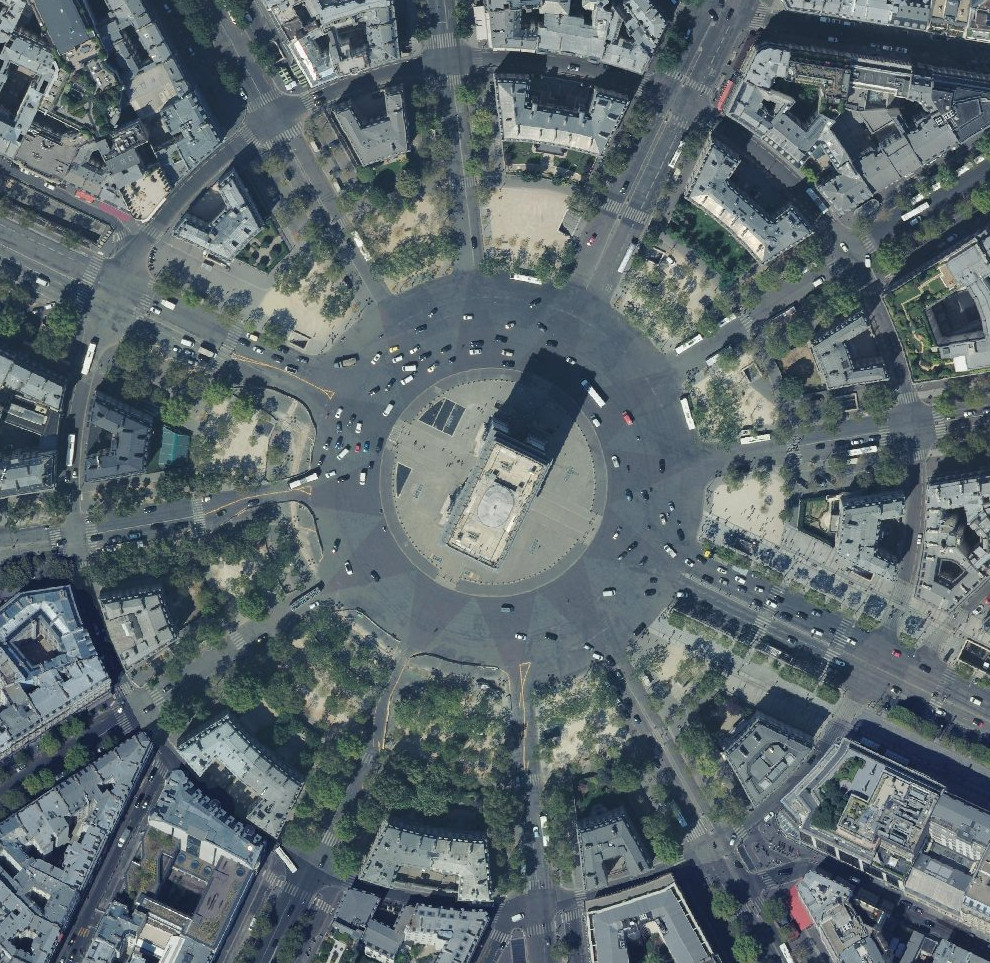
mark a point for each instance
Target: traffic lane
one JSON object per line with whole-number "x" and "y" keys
{"x": 42, "y": 254}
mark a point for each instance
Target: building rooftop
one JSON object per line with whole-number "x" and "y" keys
{"x": 201, "y": 826}
{"x": 428, "y": 863}
{"x": 61, "y": 21}
{"x": 558, "y": 113}
{"x": 654, "y": 910}
{"x": 223, "y": 748}
{"x": 870, "y": 535}
{"x": 222, "y": 220}
{"x": 333, "y": 40}
{"x": 354, "y": 911}
{"x": 452, "y": 934}
{"x": 138, "y": 624}
{"x": 49, "y": 667}
{"x": 846, "y": 937}
{"x": 960, "y": 322}
{"x": 848, "y": 355}
{"x": 913, "y": 14}
{"x": 117, "y": 439}
{"x": 29, "y": 385}
{"x": 923, "y": 948}
{"x": 29, "y": 77}
{"x": 618, "y": 36}
{"x": 714, "y": 192}
{"x": 50, "y": 849}
{"x": 610, "y": 851}
{"x": 373, "y": 126}
{"x": 763, "y": 755}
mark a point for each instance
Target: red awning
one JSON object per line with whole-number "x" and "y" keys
{"x": 799, "y": 913}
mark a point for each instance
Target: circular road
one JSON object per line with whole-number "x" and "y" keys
{"x": 491, "y": 502}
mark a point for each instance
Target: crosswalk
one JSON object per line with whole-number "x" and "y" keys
{"x": 908, "y": 395}
{"x": 198, "y": 512}
{"x": 93, "y": 269}
{"x": 296, "y": 130}
{"x": 441, "y": 41}
{"x": 322, "y": 905}
{"x": 54, "y": 534}
{"x": 329, "y": 838}
{"x": 626, "y": 211}
{"x": 941, "y": 426}
{"x": 760, "y": 18}
{"x": 692, "y": 83}
{"x": 237, "y": 640}
{"x": 704, "y": 827}
{"x": 264, "y": 100}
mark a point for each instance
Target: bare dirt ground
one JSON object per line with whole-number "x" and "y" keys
{"x": 754, "y": 408}
{"x": 747, "y": 507}
{"x": 526, "y": 215}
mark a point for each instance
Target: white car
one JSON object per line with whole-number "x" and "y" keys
{"x": 387, "y": 410}
{"x": 338, "y": 413}
{"x": 397, "y": 358}
{"x": 509, "y": 325}
{"x": 348, "y": 567}
{"x": 597, "y": 656}
{"x": 376, "y": 358}
{"x": 615, "y": 461}
{"x": 769, "y": 816}
{"x": 468, "y": 317}
{"x": 670, "y": 550}
{"x": 570, "y": 360}
{"x": 845, "y": 250}
{"x": 331, "y": 474}
{"x": 521, "y": 636}
{"x": 617, "y": 532}
{"x": 474, "y": 351}
{"x": 596, "y": 421}
{"x": 433, "y": 367}
{"x": 358, "y": 427}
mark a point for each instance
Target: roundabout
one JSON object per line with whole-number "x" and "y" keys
{"x": 493, "y": 483}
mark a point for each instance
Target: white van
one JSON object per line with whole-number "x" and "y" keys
{"x": 387, "y": 410}
{"x": 608, "y": 593}
{"x": 187, "y": 342}
{"x": 343, "y": 453}
{"x": 363, "y": 477}
{"x": 407, "y": 379}
{"x": 410, "y": 368}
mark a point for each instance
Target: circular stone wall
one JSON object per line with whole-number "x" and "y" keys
{"x": 435, "y": 459}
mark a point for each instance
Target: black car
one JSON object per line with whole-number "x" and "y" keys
{"x": 713, "y": 15}
{"x": 729, "y": 13}
{"x": 379, "y": 445}
{"x": 662, "y": 466}
{"x": 650, "y": 592}
{"x": 925, "y": 667}
{"x": 150, "y": 509}
{"x": 375, "y": 577}
{"x": 624, "y": 188}
{"x": 508, "y": 363}
{"x": 279, "y": 358}
{"x": 474, "y": 241}
{"x": 551, "y": 343}
{"x": 550, "y": 636}
{"x": 535, "y": 302}
{"x": 420, "y": 328}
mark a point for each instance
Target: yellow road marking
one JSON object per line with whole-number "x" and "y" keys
{"x": 329, "y": 392}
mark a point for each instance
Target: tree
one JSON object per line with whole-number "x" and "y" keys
{"x": 407, "y": 184}
{"x": 48, "y": 745}
{"x": 254, "y": 605}
{"x": 745, "y": 949}
{"x": 724, "y": 905}
{"x": 831, "y": 413}
{"x": 76, "y": 757}
{"x": 979, "y": 196}
{"x": 230, "y": 71}
{"x": 736, "y": 472}
{"x": 877, "y": 401}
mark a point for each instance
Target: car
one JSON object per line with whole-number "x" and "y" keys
{"x": 540, "y": 326}
{"x": 399, "y": 358}
{"x": 895, "y": 690}
{"x": 420, "y": 328}
{"x": 978, "y": 610}
{"x": 816, "y": 613}
{"x": 446, "y": 348}
{"x": 393, "y": 349}
{"x": 592, "y": 239}
{"x": 550, "y": 636}
{"x": 978, "y": 723}
{"x": 534, "y": 303}
{"x": 924, "y": 667}
{"x": 713, "y": 15}
{"x": 843, "y": 247}
{"x": 617, "y": 532}
{"x": 609, "y": 592}
{"x": 335, "y": 546}
{"x": 976, "y": 700}
{"x": 150, "y": 509}
{"x": 373, "y": 390}
{"x": 650, "y": 592}
{"x": 507, "y": 608}
{"x": 918, "y": 539}
{"x": 570, "y": 360}
{"x": 357, "y": 447}
{"x": 338, "y": 413}
{"x": 474, "y": 242}
{"x": 670, "y": 550}
{"x": 817, "y": 633}
{"x": 595, "y": 420}
{"x": 670, "y": 506}
{"x": 509, "y": 325}
{"x": 615, "y": 461}
{"x": 375, "y": 577}
{"x": 689, "y": 562}
{"x": 414, "y": 350}
{"x": 376, "y": 358}
{"x": 597, "y": 656}
{"x": 473, "y": 352}
{"x": 366, "y": 446}
{"x": 627, "y": 417}
{"x": 358, "y": 428}
{"x": 501, "y": 339}
{"x": 536, "y": 832}
{"x": 257, "y": 349}
{"x": 819, "y": 281}
{"x": 551, "y": 343}
{"x": 468, "y": 317}
{"x": 896, "y": 653}
{"x": 840, "y": 663}
{"x": 732, "y": 839}
{"x": 390, "y": 384}
{"x": 379, "y": 445}
{"x": 629, "y": 495}
{"x": 433, "y": 367}
{"x": 663, "y": 518}
{"x": 624, "y": 188}
{"x": 729, "y": 13}
{"x": 348, "y": 568}
{"x": 867, "y": 262}
{"x": 522, "y": 636}
{"x": 330, "y": 474}
{"x": 588, "y": 646}
{"x": 508, "y": 363}
{"x": 769, "y": 816}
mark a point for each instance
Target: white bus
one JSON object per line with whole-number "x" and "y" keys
{"x": 915, "y": 211}
{"x": 628, "y": 256}
{"x": 543, "y": 831}
{"x": 70, "y": 451}
{"x": 284, "y": 856}
{"x": 863, "y": 450}
{"x": 301, "y": 480}
{"x": 686, "y": 409}
{"x": 690, "y": 343}
{"x": 90, "y": 355}
{"x": 593, "y": 393}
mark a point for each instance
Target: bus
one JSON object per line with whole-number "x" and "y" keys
{"x": 90, "y": 355}
{"x": 70, "y": 451}
{"x": 543, "y": 831}
{"x": 284, "y": 856}
{"x": 863, "y": 450}
{"x": 686, "y": 409}
{"x": 675, "y": 160}
{"x": 690, "y": 343}
{"x": 593, "y": 393}
{"x": 301, "y": 480}
{"x": 628, "y": 256}
{"x": 300, "y": 600}
{"x": 915, "y": 211}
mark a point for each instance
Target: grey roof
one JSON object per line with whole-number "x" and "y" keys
{"x": 429, "y": 862}
{"x": 620, "y": 36}
{"x": 355, "y": 910}
{"x": 52, "y": 846}
{"x": 29, "y": 60}
{"x": 609, "y": 850}
{"x": 846, "y": 937}
{"x": 587, "y": 127}
{"x": 655, "y": 909}
{"x": 117, "y": 438}
{"x": 10, "y": 15}
{"x": 847, "y": 355}
{"x": 451, "y": 933}
{"x": 27, "y": 474}
{"x": 338, "y": 39}
{"x": 859, "y": 537}
{"x": 374, "y": 127}
{"x": 712, "y": 191}
{"x": 271, "y": 790}
{"x": 905, "y": 13}
{"x": 30, "y": 385}
{"x": 922, "y": 947}
{"x": 960, "y": 828}
{"x": 763, "y": 755}
{"x": 49, "y": 667}
{"x": 222, "y": 220}
{"x": 62, "y": 23}
{"x": 138, "y": 624}
{"x": 192, "y": 818}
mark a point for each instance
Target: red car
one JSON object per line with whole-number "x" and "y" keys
{"x": 978, "y": 723}
{"x": 357, "y": 447}
{"x": 627, "y": 417}
{"x": 592, "y": 239}
{"x": 896, "y": 653}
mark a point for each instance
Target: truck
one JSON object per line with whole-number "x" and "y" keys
{"x": 124, "y": 836}
{"x": 169, "y": 304}
{"x": 346, "y": 361}
{"x": 207, "y": 350}
{"x": 628, "y": 256}
{"x": 593, "y": 393}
